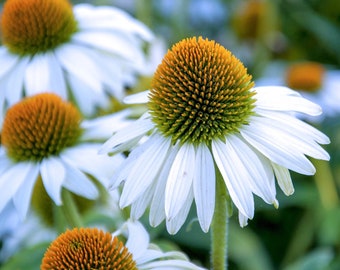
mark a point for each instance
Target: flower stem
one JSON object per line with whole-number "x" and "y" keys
{"x": 70, "y": 210}
{"x": 325, "y": 183}
{"x": 219, "y": 228}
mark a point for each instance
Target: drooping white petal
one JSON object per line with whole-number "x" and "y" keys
{"x": 280, "y": 98}
{"x": 138, "y": 239}
{"x": 37, "y": 75}
{"x": 11, "y": 180}
{"x": 103, "y": 127}
{"x": 179, "y": 183}
{"x": 123, "y": 171}
{"x": 85, "y": 96}
{"x": 8, "y": 60}
{"x": 53, "y": 176}
{"x": 174, "y": 224}
{"x": 22, "y": 197}
{"x": 74, "y": 60}
{"x": 77, "y": 182}
{"x": 145, "y": 169}
{"x": 170, "y": 265}
{"x": 243, "y": 220}
{"x": 204, "y": 186}
{"x": 296, "y": 137}
{"x": 277, "y": 146}
{"x": 139, "y": 206}
{"x": 112, "y": 72}
{"x": 256, "y": 174}
{"x": 109, "y": 18}
{"x": 157, "y": 207}
{"x": 139, "y": 98}
{"x": 117, "y": 44}
{"x": 14, "y": 82}
{"x": 283, "y": 178}
{"x": 85, "y": 158}
{"x": 296, "y": 126}
{"x": 137, "y": 129}
{"x": 57, "y": 82}
{"x": 233, "y": 175}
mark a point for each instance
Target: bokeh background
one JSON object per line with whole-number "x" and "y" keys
{"x": 304, "y": 233}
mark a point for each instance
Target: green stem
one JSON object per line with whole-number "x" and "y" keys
{"x": 219, "y": 228}
{"x": 325, "y": 183}
{"x": 69, "y": 208}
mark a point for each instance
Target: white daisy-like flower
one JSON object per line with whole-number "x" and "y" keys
{"x": 84, "y": 53}
{"x": 313, "y": 81}
{"x": 91, "y": 248}
{"x": 44, "y": 136}
{"x": 205, "y": 115}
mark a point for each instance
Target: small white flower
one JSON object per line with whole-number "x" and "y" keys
{"x": 205, "y": 114}
{"x": 44, "y": 135}
{"x": 102, "y": 250}
{"x": 84, "y": 53}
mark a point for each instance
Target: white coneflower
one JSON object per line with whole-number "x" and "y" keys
{"x": 83, "y": 53}
{"x": 205, "y": 115}
{"x": 91, "y": 248}
{"x": 44, "y": 136}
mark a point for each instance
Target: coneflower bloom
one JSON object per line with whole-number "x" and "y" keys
{"x": 204, "y": 114}
{"x": 91, "y": 248}
{"x": 83, "y": 53}
{"x": 44, "y": 136}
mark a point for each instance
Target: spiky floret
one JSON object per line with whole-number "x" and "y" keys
{"x": 87, "y": 248}
{"x": 200, "y": 92}
{"x": 33, "y": 26}
{"x": 40, "y": 126}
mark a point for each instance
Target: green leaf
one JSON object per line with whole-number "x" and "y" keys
{"x": 27, "y": 259}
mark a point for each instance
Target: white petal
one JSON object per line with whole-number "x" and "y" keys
{"x": 56, "y": 79}
{"x": 77, "y": 182}
{"x": 157, "y": 208}
{"x": 145, "y": 169}
{"x": 15, "y": 82}
{"x": 280, "y": 98}
{"x": 283, "y": 178}
{"x": 243, "y": 220}
{"x": 76, "y": 61}
{"x": 86, "y": 97}
{"x": 37, "y": 75}
{"x": 138, "y": 239}
{"x": 279, "y": 147}
{"x": 8, "y": 60}
{"x": 170, "y": 265}
{"x": 123, "y": 171}
{"x": 139, "y": 98}
{"x": 136, "y": 129}
{"x": 22, "y": 198}
{"x": 204, "y": 186}
{"x": 233, "y": 175}
{"x": 85, "y": 157}
{"x": 110, "y": 18}
{"x": 180, "y": 180}
{"x": 139, "y": 206}
{"x": 174, "y": 224}
{"x": 120, "y": 45}
{"x": 53, "y": 176}
{"x": 296, "y": 126}
{"x": 11, "y": 180}
{"x": 259, "y": 177}
{"x": 103, "y": 127}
